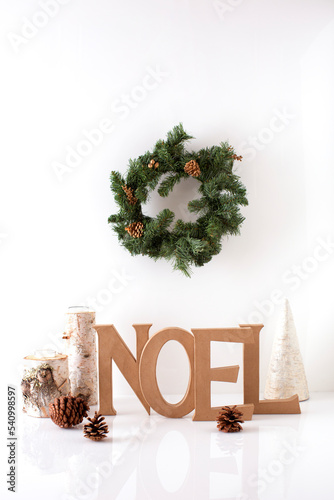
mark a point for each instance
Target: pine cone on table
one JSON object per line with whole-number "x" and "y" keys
{"x": 229, "y": 418}
{"x": 97, "y": 429}
{"x": 68, "y": 411}
{"x": 192, "y": 168}
{"x": 135, "y": 229}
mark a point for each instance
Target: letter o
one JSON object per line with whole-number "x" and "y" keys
{"x": 275, "y": 468}
{"x": 138, "y": 93}
{"x": 84, "y": 148}
{"x": 310, "y": 264}
{"x": 93, "y": 480}
{"x": 266, "y": 135}
{"x": 40, "y": 19}
{"x": 148, "y": 369}
{"x": 104, "y": 296}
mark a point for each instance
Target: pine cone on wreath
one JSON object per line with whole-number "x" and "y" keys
{"x": 236, "y": 157}
{"x": 229, "y": 418}
{"x": 97, "y": 429}
{"x": 192, "y": 168}
{"x": 129, "y": 194}
{"x": 68, "y": 411}
{"x": 153, "y": 164}
{"x": 135, "y": 229}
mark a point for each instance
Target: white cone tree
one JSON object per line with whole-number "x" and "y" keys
{"x": 286, "y": 374}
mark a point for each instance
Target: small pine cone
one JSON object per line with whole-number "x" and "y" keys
{"x": 136, "y": 229}
{"x": 153, "y": 164}
{"x": 192, "y": 168}
{"x": 129, "y": 194}
{"x": 229, "y": 418}
{"x": 97, "y": 429}
{"x": 68, "y": 411}
{"x": 236, "y": 157}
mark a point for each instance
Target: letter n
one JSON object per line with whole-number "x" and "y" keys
{"x": 113, "y": 348}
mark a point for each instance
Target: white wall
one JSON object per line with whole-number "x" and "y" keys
{"x": 226, "y": 70}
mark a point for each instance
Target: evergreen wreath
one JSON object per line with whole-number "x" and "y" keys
{"x": 187, "y": 243}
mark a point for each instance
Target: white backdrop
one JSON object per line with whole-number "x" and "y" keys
{"x": 259, "y": 74}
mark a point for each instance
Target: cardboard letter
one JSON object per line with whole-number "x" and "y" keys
{"x": 205, "y": 374}
{"x": 148, "y": 373}
{"x": 252, "y": 381}
{"x": 112, "y": 347}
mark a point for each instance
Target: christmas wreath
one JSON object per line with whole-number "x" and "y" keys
{"x": 186, "y": 243}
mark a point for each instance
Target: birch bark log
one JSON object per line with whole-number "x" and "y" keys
{"x": 80, "y": 346}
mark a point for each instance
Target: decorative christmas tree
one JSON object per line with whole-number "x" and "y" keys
{"x": 286, "y": 375}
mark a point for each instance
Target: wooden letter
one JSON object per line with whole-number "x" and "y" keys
{"x": 148, "y": 373}
{"x": 112, "y": 347}
{"x": 251, "y": 381}
{"x": 205, "y": 374}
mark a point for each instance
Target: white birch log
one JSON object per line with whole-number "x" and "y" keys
{"x": 80, "y": 346}
{"x": 44, "y": 378}
{"x": 286, "y": 375}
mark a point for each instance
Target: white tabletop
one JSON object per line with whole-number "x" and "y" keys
{"x": 152, "y": 457}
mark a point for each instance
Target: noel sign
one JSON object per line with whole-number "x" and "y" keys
{"x": 140, "y": 372}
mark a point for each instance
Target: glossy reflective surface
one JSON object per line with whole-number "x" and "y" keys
{"x": 151, "y": 457}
